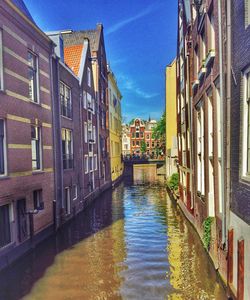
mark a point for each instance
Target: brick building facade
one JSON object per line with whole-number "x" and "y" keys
{"x": 26, "y": 143}
{"x": 239, "y": 225}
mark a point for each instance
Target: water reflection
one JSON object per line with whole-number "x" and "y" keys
{"x": 130, "y": 244}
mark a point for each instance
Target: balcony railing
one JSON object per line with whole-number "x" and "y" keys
{"x": 68, "y": 161}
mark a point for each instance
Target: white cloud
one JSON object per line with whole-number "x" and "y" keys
{"x": 124, "y": 22}
{"x": 129, "y": 85}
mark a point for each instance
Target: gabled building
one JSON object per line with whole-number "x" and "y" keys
{"x": 115, "y": 128}
{"x": 209, "y": 124}
{"x": 26, "y": 139}
{"x": 184, "y": 106}
{"x": 125, "y": 140}
{"x": 100, "y": 75}
{"x": 171, "y": 121}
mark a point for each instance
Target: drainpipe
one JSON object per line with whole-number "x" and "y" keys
{"x": 222, "y": 115}
{"x": 52, "y": 75}
{"x": 228, "y": 144}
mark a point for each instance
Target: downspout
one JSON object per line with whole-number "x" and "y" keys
{"x": 222, "y": 118}
{"x": 57, "y": 187}
{"x": 228, "y": 144}
{"x": 82, "y": 138}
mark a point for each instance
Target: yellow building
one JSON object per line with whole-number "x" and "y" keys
{"x": 171, "y": 119}
{"x": 115, "y": 127}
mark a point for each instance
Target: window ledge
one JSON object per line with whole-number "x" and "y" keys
{"x": 36, "y": 103}
{"x": 67, "y": 118}
{"x": 36, "y": 172}
{"x": 4, "y": 177}
{"x": 246, "y": 179}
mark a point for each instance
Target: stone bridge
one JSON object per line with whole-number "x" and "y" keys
{"x": 130, "y": 163}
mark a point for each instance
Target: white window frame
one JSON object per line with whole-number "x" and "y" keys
{"x": 245, "y": 129}
{"x": 40, "y": 148}
{"x": 37, "y": 78}
{"x": 84, "y": 99}
{"x": 89, "y": 76}
{"x": 75, "y": 190}
{"x": 86, "y": 164}
{"x": 95, "y": 162}
{"x": 85, "y": 132}
{"x": 1, "y": 61}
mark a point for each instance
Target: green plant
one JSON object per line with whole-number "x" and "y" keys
{"x": 143, "y": 147}
{"x": 207, "y": 232}
{"x": 173, "y": 182}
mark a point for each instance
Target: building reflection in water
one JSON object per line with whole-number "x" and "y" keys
{"x": 131, "y": 243}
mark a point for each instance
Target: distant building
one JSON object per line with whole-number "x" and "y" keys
{"x": 137, "y": 131}
{"x": 141, "y": 133}
{"x": 115, "y": 127}
{"x": 171, "y": 120}
{"x": 125, "y": 140}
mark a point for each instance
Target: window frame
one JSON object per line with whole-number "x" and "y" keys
{"x": 86, "y": 164}
{"x": 10, "y": 220}
{"x": 4, "y": 150}
{"x": 1, "y": 61}
{"x": 66, "y": 132}
{"x": 36, "y": 87}
{"x": 89, "y": 76}
{"x": 40, "y": 200}
{"x": 245, "y": 172}
{"x": 66, "y": 102}
{"x": 39, "y": 155}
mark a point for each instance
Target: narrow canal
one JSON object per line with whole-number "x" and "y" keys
{"x": 131, "y": 243}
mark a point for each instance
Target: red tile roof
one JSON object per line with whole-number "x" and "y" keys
{"x": 72, "y": 57}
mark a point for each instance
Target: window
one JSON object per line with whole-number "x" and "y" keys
{"x": 94, "y": 134}
{"x": 36, "y": 147}
{"x": 211, "y": 33}
{"x": 84, "y": 97}
{"x": 38, "y": 200}
{"x": 2, "y": 149}
{"x": 66, "y": 102}
{"x": 89, "y": 77}
{"x": 5, "y": 234}
{"x": 1, "y": 61}
{"x": 91, "y": 164}
{"x": 137, "y": 135}
{"x": 247, "y": 12}
{"x": 67, "y": 202}
{"x": 246, "y": 125}
{"x": 153, "y": 144}
{"x": 200, "y": 149}
{"x": 202, "y": 47}
{"x": 33, "y": 77}
{"x": 67, "y": 149}
{"x": 75, "y": 192}
{"x": 85, "y": 132}
{"x": 95, "y": 162}
{"x": 86, "y": 164}
{"x": 137, "y": 143}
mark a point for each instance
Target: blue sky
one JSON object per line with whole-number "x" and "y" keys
{"x": 140, "y": 40}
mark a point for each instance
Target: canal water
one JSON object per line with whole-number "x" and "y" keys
{"x": 131, "y": 243}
